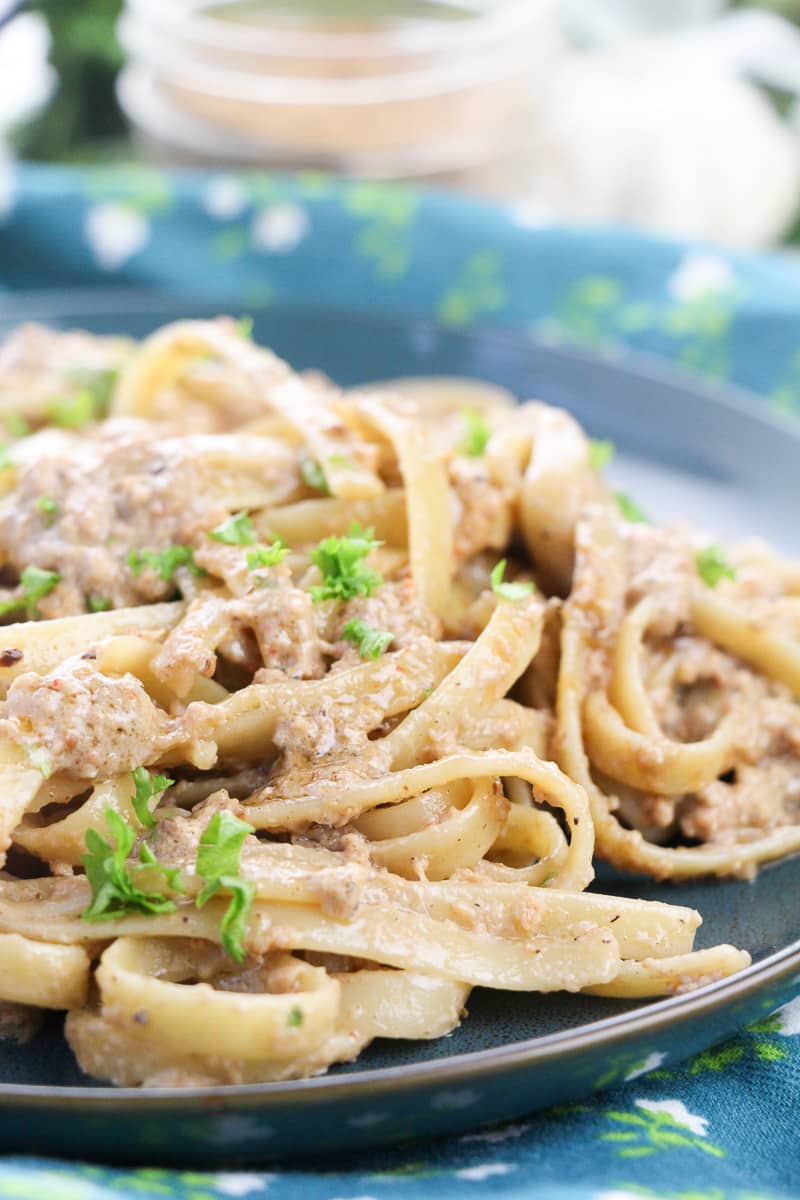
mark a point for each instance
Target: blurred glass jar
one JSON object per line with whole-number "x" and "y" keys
{"x": 369, "y": 87}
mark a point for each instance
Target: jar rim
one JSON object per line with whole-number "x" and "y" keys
{"x": 191, "y": 20}
{"x": 231, "y": 83}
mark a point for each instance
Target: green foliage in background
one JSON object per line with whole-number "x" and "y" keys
{"x": 787, "y": 8}
{"x": 82, "y": 115}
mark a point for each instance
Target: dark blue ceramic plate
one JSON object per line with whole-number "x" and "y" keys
{"x": 686, "y": 449}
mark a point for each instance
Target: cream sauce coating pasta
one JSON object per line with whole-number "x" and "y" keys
{"x": 317, "y": 707}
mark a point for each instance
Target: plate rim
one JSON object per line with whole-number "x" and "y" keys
{"x": 651, "y": 1018}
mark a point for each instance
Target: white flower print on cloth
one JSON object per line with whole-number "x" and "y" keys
{"x": 115, "y": 232}
{"x": 279, "y": 228}
{"x": 532, "y": 214}
{"x": 224, "y": 198}
{"x": 241, "y": 1184}
{"x": 698, "y": 275}
{"x": 679, "y": 1113}
{"x": 482, "y": 1171}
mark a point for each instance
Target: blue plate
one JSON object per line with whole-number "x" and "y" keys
{"x": 687, "y": 449}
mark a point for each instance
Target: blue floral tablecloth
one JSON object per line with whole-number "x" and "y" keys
{"x": 726, "y": 1126}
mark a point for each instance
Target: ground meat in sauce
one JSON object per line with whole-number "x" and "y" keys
{"x": 125, "y": 487}
{"x": 394, "y": 608}
{"x": 757, "y": 800}
{"x": 285, "y": 625}
{"x": 87, "y": 724}
{"x": 482, "y": 509}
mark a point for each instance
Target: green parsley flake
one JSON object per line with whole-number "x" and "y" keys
{"x": 508, "y": 591}
{"x": 371, "y": 642}
{"x": 34, "y": 584}
{"x": 147, "y": 788}
{"x": 72, "y": 411}
{"x": 114, "y": 892}
{"x": 341, "y": 563}
{"x": 48, "y": 507}
{"x": 341, "y": 460}
{"x": 99, "y": 383}
{"x": 712, "y": 566}
{"x": 164, "y": 562}
{"x": 601, "y": 452}
{"x": 476, "y": 433}
{"x": 39, "y": 759}
{"x": 630, "y": 510}
{"x": 236, "y": 531}
{"x": 314, "y": 476}
{"x": 218, "y": 864}
{"x": 267, "y": 556}
{"x": 98, "y": 604}
{"x": 6, "y": 456}
{"x": 296, "y": 1017}
{"x": 244, "y": 327}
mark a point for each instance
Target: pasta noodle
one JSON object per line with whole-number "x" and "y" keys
{"x": 317, "y": 707}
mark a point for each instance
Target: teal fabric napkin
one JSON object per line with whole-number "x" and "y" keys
{"x": 725, "y": 1127}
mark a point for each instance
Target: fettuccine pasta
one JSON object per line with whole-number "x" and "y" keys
{"x": 316, "y": 708}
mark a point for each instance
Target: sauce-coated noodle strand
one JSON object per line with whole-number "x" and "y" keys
{"x": 373, "y": 1003}
{"x": 627, "y": 848}
{"x": 430, "y": 542}
{"x": 243, "y": 726}
{"x": 725, "y": 624}
{"x": 549, "y": 784}
{"x": 642, "y": 929}
{"x": 668, "y": 976}
{"x": 44, "y": 975}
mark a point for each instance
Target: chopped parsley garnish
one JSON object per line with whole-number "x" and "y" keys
{"x": 295, "y": 1017}
{"x": 314, "y": 476}
{"x": 34, "y": 583}
{"x": 148, "y": 787}
{"x": 48, "y": 507}
{"x": 630, "y": 510}
{"x": 371, "y": 642}
{"x": 508, "y": 591}
{"x": 90, "y": 401}
{"x": 72, "y": 412}
{"x": 601, "y": 452}
{"x": 267, "y": 556}
{"x": 712, "y": 566}
{"x": 218, "y": 864}
{"x": 39, "y": 759}
{"x": 164, "y": 562}
{"x": 6, "y": 456}
{"x": 98, "y": 604}
{"x": 476, "y": 433}
{"x": 244, "y": 327}
{"x": 236, "y": 531}
{"x": 341, "y": 563}
{"x": 99, "y": 383}
{"x": 341, "y": 460}
{"x": 114, "y": 892}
